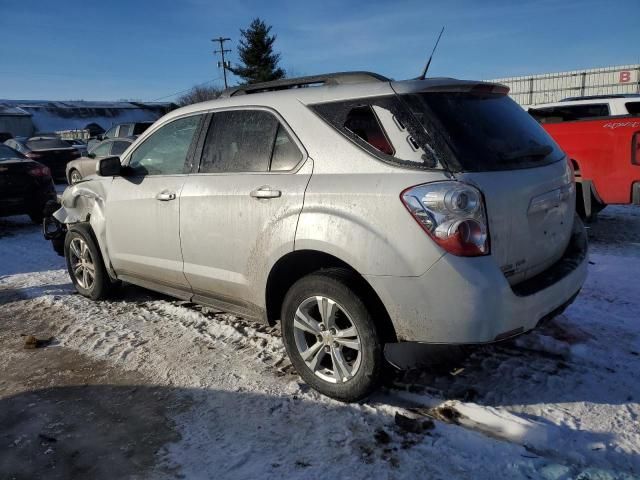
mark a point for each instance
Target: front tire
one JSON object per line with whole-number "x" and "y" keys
{"x": 331, "y": 337}
{"x": 85, "y": 265}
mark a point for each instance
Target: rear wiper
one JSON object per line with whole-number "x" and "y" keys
{"x": 539, "y": 151}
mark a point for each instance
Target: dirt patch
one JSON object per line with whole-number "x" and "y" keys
{"x": 65, "y": 415}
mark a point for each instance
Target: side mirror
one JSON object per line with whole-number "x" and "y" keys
{"x": 109, "y": 167}
{"x": 91, "y": 155}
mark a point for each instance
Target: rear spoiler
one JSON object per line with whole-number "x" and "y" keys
{"x": 435, "y": 85}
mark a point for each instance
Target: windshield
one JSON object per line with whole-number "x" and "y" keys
{"x": 8, "y": 152}
{"x": 484, "y": 131}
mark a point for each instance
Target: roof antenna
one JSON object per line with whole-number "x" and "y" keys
{"x": 426, "y": 67}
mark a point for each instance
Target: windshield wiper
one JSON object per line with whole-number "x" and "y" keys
{"x": 539, "y": 151}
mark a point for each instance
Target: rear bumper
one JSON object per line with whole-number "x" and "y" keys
{"x": 468, "y": 300}
{"x": 28, "y": 201}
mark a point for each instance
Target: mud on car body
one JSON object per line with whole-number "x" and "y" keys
{"x": 370, "y": 217}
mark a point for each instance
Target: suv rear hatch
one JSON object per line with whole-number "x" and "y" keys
{"x": 491, "y": 142}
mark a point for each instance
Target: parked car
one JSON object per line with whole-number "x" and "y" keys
{"x": 370, "y": 217}
{"x": 126, "y": 130}
{"x": 25, "y": 185}
{"x": 50, "y": 151}
{"x": 82, "y": 167}
{"x": 601, "y": 136}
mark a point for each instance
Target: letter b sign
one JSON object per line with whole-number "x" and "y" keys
{"x": 625, "y": 76}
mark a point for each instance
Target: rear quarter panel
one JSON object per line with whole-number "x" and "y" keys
{"x": 360, "y": 219}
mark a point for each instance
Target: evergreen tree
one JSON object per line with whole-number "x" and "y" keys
{"x": 260, "y": 63}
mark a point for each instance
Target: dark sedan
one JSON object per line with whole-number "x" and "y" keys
{"x": 25, "y": 185}
{"x": 50, "y": 151}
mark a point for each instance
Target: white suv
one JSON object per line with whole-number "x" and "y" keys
{"x": 371, "y": 217}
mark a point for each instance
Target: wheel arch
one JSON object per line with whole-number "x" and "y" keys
{"x": 299, "y": 263}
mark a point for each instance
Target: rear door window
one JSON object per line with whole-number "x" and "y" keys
{"x": 239, "y": 141}
{"x": 286, "y": 154}
{"x": 569, "y": 113}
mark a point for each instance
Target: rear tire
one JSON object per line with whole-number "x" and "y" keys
{"x": 85, "y": 265}
{"x": 331, "y": 337}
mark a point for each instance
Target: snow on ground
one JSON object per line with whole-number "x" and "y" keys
{"x": 559, "y": 403}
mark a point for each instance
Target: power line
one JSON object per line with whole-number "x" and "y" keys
{"x": 186, "y": 89}
{"x": 222, "y": 51}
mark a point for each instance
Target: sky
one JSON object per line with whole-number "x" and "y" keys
{"x": 147, "y": 51}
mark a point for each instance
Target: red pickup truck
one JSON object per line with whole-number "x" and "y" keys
{"x": 601, "y": 136}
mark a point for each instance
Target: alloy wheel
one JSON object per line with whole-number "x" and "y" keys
{"x": 327, "y": 339}
{"x": 82, "y": 264}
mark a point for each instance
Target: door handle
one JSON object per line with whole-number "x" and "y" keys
{"x": 165, "y": 196}
{"x": 265, "y": 192}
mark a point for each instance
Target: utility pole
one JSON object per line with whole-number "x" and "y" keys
{"x": 222, "y": 51}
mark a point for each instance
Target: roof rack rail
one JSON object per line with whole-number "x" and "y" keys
{"x": 338, "y": 78}
{"x": 601, "y": 97}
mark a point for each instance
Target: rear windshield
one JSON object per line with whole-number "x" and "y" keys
{"x": 485, "y": 131}
{"x": 8, "y": 152}
{"x": 461, "y": 131}
{"x": 46, "y": 143}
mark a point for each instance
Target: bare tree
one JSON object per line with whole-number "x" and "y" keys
{"x": 199, "y": 93}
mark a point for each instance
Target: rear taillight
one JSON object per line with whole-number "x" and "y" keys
{"x": 635, "y": 149}
{"x": 452, "y": 213}
{"x": 40, "y": 172}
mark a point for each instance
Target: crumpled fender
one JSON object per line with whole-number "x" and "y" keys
{"x": 85, "y": 202}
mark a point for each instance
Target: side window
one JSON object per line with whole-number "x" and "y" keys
{"x": 286, "y": 154}
{"x": 385, "y": 128}
{"x": 111, "y": 132}
{"x": 239, "y": 141}
{"x": 363, "y": 122}
{"x": 633, "y": 108}
{"x": 118, "y": 147}
{"x": 125, "y": 130}
{"x": 166, "y": 150}
{"x": 102, "y": 150}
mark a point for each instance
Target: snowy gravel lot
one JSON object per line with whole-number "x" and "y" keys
{"x": 559, "y": 403}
